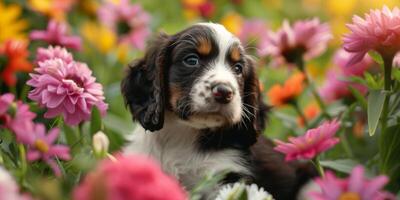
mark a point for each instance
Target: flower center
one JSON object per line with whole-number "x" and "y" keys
{"x": 41, "y": 146}
{"x": 291, "y": 55}
{"x": 123, "y": 27}
{"x": 350, "y": 196}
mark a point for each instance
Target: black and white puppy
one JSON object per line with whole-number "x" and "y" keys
{"x": 196, "y": 96}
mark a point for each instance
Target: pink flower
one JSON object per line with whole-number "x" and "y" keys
{"x": 128, "y": 20}
{"x": 40, "y": 146}
{"x": 8, "y": 187}
{"x": 309, "y": 145}
{"x": 57, "y": 34}
{"x": 305, "y": 39}
{"x": 396, "y": 60}
{"x": 379, "y": 31}
{"x": 354, "y": 187}
{"x": 22, "y": 121}
{"x": 5, "y": 103}
{"x": 53, "y": 52}
{"x": 336, "y": 87}
{"x": 130, "y": 177}
{"x": 254, "y": 33}
{"x": 68, "y": 89}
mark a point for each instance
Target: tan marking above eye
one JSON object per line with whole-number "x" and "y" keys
{"x": 235, "y": 54}
{"x": 204, "y": 46}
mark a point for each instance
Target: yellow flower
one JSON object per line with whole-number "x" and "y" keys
{"x": 55, "y": 9}
{"x": 380, "y": 3}
{"x": 99, "y": 36}
{"x": 233, "y": 22}
{"x": 88, "y": 6}
{"x": 123, "y": 53}
{"x": 10, "y": 24}
{"x": 341, "y": 7}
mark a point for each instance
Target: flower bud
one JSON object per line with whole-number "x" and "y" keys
{"x": 100, "y": 144}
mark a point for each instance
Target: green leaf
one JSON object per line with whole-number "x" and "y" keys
{"x": 376, "y": 98}
{"x": 390, "y": 156}
{"x": 344, "y": 165}
{"x": 376, "y": 57}
{"x": 95, "y": 123}
{"x": 360, "y": 97}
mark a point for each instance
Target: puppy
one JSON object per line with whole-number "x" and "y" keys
{"x": 196, "y": 96}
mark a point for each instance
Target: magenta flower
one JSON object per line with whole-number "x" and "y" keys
{"x": 41, "y": 147}
{"x": 254, "y": 33}
{"x": 130, "y": 177}
{"x": 354, "y": 187}
{"x": 22, "y": 121}
{"x": 305, "y": 39}
{"x": 43, "y": 54}
{"x": 5, "y": 103}
{"x": 128, "y": 20}
{"x": 379, "y": 31}
{"x": 336, "y": 86}
{"x": 57, "y": 34}
{"x": 68, "y": 89}
{"x": 312, "y": 143}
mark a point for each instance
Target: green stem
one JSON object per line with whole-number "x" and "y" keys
{"x": 318, "y": 166}
{"x": 345, "y": 144}
{"x": 300, "y": 113}
{"x": 321, "y": 104}
{"x": 24, "y": 166}
{"x": 387, "y": 87}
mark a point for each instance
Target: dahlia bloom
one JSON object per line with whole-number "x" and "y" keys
{"x": 312, "y": 143}
{"x": 304, "y": 40}
{"x": 336, "y": 87}
{"x": 254, "y": 33}
{"x": 354, "y": 187}
{"x": 234, "y": 192}
{"x": 56, "y": 9}
{"x": 41, "y": 146}
{"x": 51, "y": 52}
{"x": 379, "y": 31}
{"x": 129, "y": 21}
{"x": 280, "y": 95}
{"x": 16, "y": 56}
{"x": 57, "y": 34}
{"x": 8, "y": 187}
{"x": 129, "y": 177}
{"x": 66, "y": 88}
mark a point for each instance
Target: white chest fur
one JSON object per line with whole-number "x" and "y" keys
{"x": 174, "y": 147}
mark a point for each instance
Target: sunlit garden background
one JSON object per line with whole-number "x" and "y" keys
{"x": 56, "y": 125}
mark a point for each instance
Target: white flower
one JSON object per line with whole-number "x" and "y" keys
{"x": 100, "y": 144}
{"x": 235, "y": 191}
{"x": 8, "y": 187}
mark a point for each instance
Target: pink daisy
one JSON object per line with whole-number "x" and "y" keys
{"x": 312, "y": 143}
{"x": 306, "y": 39}
{"x": 8, "y": 187}
{"x": 67, "y": 89}
{"x": 57, "y": 34}
{"x": 336, "y": 87}
{"x": 41, "y": 147}
{"x": 254, "y": 33}
{"x": 128, "y": 20}
{"x": 379, "y": 31}
{"x": 22, "y": 121}
{"x": 5, "y": 103}
{"x": 130, "y": 177}
{"x": 357, "y": 186}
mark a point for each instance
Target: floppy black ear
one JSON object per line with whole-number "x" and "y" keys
{"x": 144, "y": 87}
{"x": 252, "y": 99}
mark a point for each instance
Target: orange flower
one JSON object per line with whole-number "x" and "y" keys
{"x": 14, "y": 53}
{"x": 310, "y": 112}
{"x": 280, "y": 95}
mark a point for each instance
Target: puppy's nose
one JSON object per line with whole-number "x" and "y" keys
{"x": 222, "y": 92}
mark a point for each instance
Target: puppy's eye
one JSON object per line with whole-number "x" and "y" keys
{"x": 191, "y": 60}
{"x": 238, "y": 68}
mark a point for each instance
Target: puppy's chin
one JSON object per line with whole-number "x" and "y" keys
{"x": 211, "y": 120}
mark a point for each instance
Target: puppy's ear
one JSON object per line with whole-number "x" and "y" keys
{"x": 144, "y": 87}
{"x": 253, "y": 102}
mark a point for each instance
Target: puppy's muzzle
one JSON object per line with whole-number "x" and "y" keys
{"x": 222, "y": 92}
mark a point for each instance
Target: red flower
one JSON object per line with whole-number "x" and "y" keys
{"x": 16, "y": 60}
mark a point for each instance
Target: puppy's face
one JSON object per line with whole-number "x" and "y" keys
{"x": 200, "y": 74}
{"x": 206, "y": 76}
